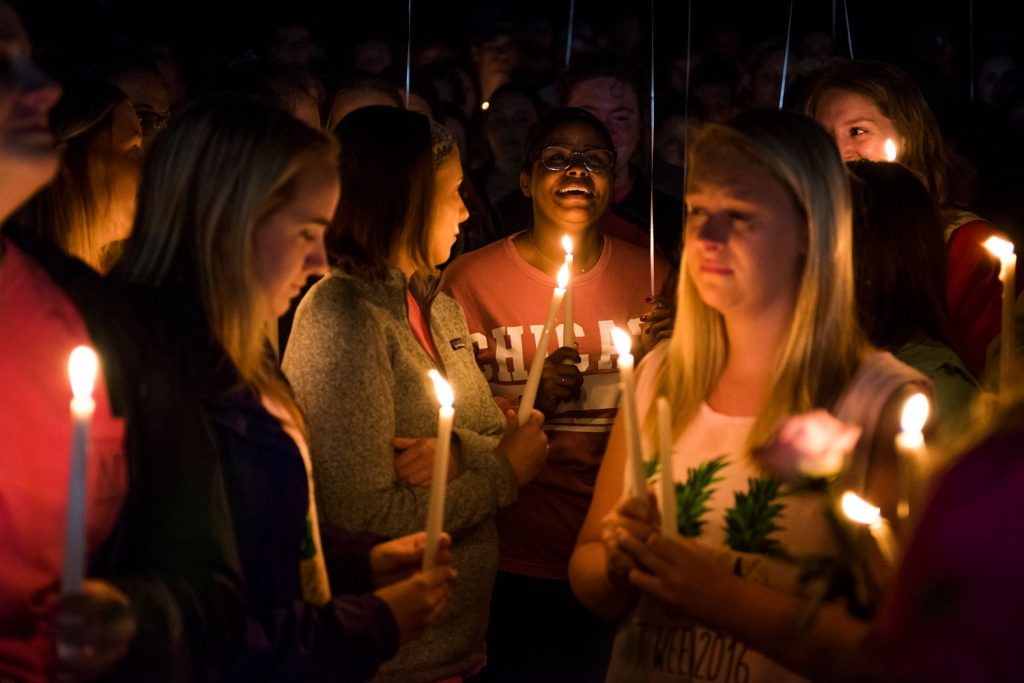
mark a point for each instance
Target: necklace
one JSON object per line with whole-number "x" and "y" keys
{"x": 579, "y": 268}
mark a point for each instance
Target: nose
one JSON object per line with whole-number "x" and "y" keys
{"x": 847, "y": 149}
{"x": 714, "y": 232}
{"x": 576, "y": 166}
{"x": 463, "y": 211}
{"x": 316, "y": 260}
{"x": 38, "y": 91}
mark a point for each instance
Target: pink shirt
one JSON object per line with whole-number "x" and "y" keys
{"x": 506, "y": 301}
{"x": 40, "y": 328}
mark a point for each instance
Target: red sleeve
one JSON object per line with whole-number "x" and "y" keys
{"x": 973, "y": 291}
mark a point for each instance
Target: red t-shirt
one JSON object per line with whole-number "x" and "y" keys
{"x": 506, "y": 301}
{"x": 40, "y": 326}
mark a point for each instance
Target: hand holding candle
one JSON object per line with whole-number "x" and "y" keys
{"x": 859, "y": 510}
{"x": 635, "y": 457}
{"x": 669, "y": 516}
{"x": 82, "y": 368}
{"x": 435, "y": 511}
{"x": 1008, "y": 276}
{"x": 537, "y": 367}
{"x": 568, "y": 326}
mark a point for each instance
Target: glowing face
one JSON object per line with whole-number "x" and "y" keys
{"x": 573, "y": 198}
{"x": 115, "y": 171}
{"x": 449, "y": 209}
{"x": 744, "y": 244}
{"x": 289, "y": 243}
{"x": 857, "y": 125}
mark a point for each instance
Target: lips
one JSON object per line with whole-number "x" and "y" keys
{"x": 575, "y": 190}
{"x": 715, "y": 268}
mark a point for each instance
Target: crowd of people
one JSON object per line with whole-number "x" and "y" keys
{"x": 270, "y": 262}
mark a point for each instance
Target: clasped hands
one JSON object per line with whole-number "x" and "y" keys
{"x": 677, "y": 571}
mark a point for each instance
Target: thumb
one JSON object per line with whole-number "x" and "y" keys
{"x": 403, "y": 442}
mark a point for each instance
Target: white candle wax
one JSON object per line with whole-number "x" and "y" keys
{"x": 537, "y": 367}
{"x": 635, "y": 458}
{"x": 82, "y": 367}
{"x": 669, "y": 516}
{"x": 913, "y": 455}
{"x": 863, "y": 512}
{"x": 1008, "y": 276}
{"x": 568, "y": 327}
{"x": 439, "y": 481}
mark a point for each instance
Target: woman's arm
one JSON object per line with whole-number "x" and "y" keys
{"x": 339, "y": 363}
{"x": 598, "y": 570}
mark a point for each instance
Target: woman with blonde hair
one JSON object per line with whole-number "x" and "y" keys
{"x": 765, "y": 328}
{"x": 234, "y": 201}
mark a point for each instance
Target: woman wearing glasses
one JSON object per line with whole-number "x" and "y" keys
{"x": 505, "y": 290}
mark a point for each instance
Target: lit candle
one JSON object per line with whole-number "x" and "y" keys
{"x": 1008, "y": 276}
{"x": 568, "y": 330}
{"x": 537, "y": 367}
{"x": 669, "y": 517}
{"x": 859, "y": 510}
{"x": 890, "y": 150}
{"x": 913, "y": 453}
{"x": 635, "y": 457}
{"x": 82, "y": 367}
{"x": 435, "y": 511}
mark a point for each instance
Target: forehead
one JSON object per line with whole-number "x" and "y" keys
{"x": 575, "y": 134}
{"x": 603, "y": 90}
{"x": 843, "y": 105}
{"x": 728, "y": 174}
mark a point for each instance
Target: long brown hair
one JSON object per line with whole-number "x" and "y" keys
{"x": 897, "y": 96}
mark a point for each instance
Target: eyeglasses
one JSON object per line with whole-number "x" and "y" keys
{"x": 558, "y": 158}
{"x": 152, "y": 121}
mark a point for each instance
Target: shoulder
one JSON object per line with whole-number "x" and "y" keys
{"x": 627, "y": 254}
{"x": 478, "y": 261}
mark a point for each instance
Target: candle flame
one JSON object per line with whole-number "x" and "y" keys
{"x": 567, "y": 245}
{"x": 563, "y": 276}
{"x": 999, "y": 247}
{"x": 890, "y": 150}
{"x": 82, "y": 367}
{"x": 484, "y": 106}
{"x": 915, "y": 414}
{"x": 623, "y": 342}
{"x": 859, "y": 510}
{"x": 445, "y": 395}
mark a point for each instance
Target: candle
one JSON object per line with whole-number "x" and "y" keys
{"x": 568, "y": 329}
{"x": 1008, "y": 276}
{"x": 890, "y": 150}
{"x": 635, "y": 457}
{"x": 82, "y": 367}
{"x": 913, "y": 454}
{"x": 537, "y": 367}
{"x": 669, "y": 516}
{"x": 859, "y": 510}
{"x": 435, "y": 511}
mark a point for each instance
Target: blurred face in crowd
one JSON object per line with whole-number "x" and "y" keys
{"x": 616, "y": 104}
{"x": 744, "y": 248}
{"x": 28, "y": 158}
{"x": 114, "y": 171}
{"x": 149, "y": 98}
{"x": 499, "y": 55}
{"x": 857, "y": 125}
{"x": 577, "y": 197}
{"x": 289, "y": 243}
{"x": 508, "y": 121}
{"x": 449, "y": 210}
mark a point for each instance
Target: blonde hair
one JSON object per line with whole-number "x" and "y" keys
{"x": 824, "y": 345}
{"x": 207, "y": 182}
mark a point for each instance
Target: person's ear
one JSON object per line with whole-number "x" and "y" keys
{"x": 524, "y": 183}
